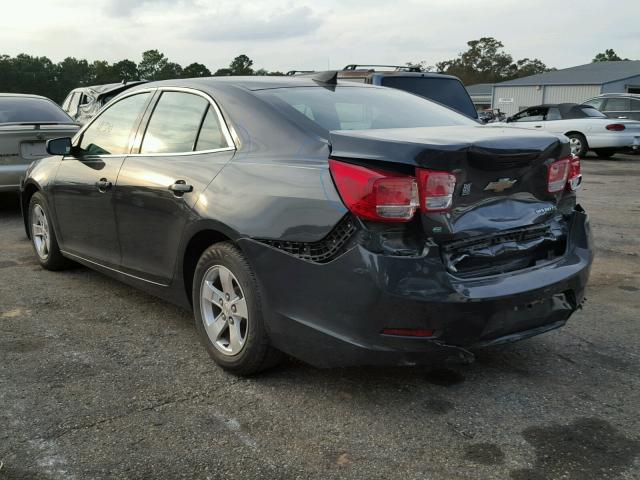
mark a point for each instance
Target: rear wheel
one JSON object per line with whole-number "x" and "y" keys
{"x": 228, "y": 311}
{"x": 578, "y": 144}
{"x": 43, "y": 237}
{"x": 605, "y": 152}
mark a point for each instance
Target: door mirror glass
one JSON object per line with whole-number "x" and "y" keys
{"x": 59, "y": 146}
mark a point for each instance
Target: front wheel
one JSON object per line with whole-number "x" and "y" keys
{"x": 43, "y": 237}
{"x": 578, "y": 143}
{"x": 228, "y": 311}
{"x": 605, "y": 152}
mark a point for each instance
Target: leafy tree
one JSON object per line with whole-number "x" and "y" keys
{"x": 223, "y": 72}
{"x": 126, "y": 70}
{"x": 152, "y": 63}
{"x": 196, "y": 70}
{"x": 485, "y": 61}
{"x": 241, "y": 65}
{"x": 102, "y": 72}
{"x": 608, "y": 56}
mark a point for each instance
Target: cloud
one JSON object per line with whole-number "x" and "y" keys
{"x": 126, "y": 8}
{"x": 245, "y": 25}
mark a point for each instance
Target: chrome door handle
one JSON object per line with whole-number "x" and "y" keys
{"x": 103, "y": 185}
{"x": 180, "y": 187}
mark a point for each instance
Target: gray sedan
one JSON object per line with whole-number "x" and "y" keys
{"x": 26, "y": 123}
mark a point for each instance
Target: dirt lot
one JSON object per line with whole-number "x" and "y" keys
{"x": 101, "y": 381}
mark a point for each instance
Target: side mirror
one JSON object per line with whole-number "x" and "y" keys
{"x": 59, "y": 146}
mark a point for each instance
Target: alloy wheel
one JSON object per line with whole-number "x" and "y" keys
{"x": 40, "y": 232}
{"x": 224, "y": 310}
{"x": 576, "y": 145}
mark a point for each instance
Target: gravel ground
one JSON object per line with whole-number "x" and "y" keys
{"x": 98, "y": 380}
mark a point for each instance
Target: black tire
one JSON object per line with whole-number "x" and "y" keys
{"x": 256, "y": 354}
{"x": 583, "y": 147}
{"x": 52, "y": 259}
{"x": 605, "y": 152}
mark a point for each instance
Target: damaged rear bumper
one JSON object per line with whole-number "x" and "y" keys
{"x": 333, "y": 314}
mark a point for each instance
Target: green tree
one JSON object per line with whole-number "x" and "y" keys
{"x": 126, "y": 70}
{"x": 102, "y": 72}
{"x": 608, "y": 56}
{"x": 486, "y": 62}
{"x": 195, "y": 70}
{"x": 151, "y": 64}
{"x": 223, "y": 72}
{"x": 241, "y": 65}
{"x": 72, "y": 73}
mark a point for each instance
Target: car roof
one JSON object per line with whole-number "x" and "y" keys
{"x": 251, "y": 83}
{"x": 24, "y": 95}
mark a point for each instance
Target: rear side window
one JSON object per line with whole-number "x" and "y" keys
{"x": 31, "y": 110}
{"x": 447, "y": 91}
{"x": 174, "y": 124}
{"x": 553, "y": 114}
{"x": 111, "y": 131}
{"x": 210, "y": 136}
{"x": 73, "y": 104}
{"x": 617, "y": 105}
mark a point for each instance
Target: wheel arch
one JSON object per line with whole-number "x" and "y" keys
{"x": 28, "y": 190}
{"x": 197, "y": 240}
{"x": 577, "y": 132}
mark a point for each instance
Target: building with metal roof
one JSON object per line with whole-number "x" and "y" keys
{"x": 574, "y": 85}
{"x": 480, "y": 94}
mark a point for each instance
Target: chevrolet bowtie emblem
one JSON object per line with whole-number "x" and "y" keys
{"x": 501, "y": 185}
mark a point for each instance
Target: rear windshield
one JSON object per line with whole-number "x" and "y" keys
{"x": 31, "y": 110}
{"x": 361, "y": 108}
{"x": 447, "y": 91}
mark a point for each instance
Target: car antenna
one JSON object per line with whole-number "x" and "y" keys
{"x": 330, "y": 77}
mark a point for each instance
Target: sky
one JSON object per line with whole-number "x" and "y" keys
{"x": 311, "y": 35}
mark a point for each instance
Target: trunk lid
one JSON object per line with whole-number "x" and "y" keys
{"x": 500, "y": 206}
{"x": 25, "y": 142}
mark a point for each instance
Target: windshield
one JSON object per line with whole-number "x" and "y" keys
{"x": 31, "y": 110}
{"x": 361, "y": 108}
{"x": 447, "y": 91}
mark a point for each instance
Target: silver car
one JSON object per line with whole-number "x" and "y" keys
{"x": 26, "y": 123}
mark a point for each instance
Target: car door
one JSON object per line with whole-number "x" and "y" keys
{"x": 184, "y": 146}
{"x": 82, "y": 191}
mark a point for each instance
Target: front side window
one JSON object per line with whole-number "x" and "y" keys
{"x": 174, "y": 124}
{"x": 110, "y": 133}
{"x": 595, "y": 103}
{"x": 530, "y": 115}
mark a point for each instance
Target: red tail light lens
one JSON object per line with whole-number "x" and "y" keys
{"x": 436, "y": 189}
{"x": 557, "y": 175}
{"x": 616, "y": 127}
{"x": 375, "y": 194}
{"x": 575, "y": 177}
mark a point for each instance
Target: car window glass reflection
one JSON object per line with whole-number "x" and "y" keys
{"x": 211, "y": 136}
{"x": 109, "y": 133}
{"x": 174, "y": 123}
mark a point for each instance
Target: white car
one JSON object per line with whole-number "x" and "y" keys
{"x": 586, "y": 127}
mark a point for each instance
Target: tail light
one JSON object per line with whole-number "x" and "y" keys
{"x": 615, "y": 127}
{"x": 557, "y": 175}
{"x": 575, "y": 177}
{"x": 436, "y": 189}
{"x": 375, "y": 194}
